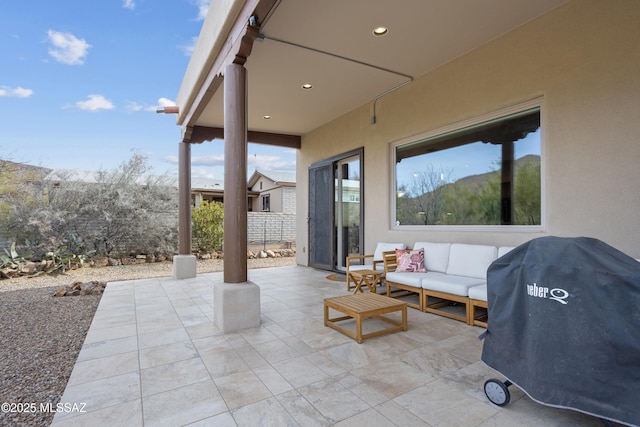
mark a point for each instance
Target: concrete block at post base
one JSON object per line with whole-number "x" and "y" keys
{"x": 184, "y": 266}
{"x": 236, "y": 306}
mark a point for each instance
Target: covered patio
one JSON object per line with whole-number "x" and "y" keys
{"x": 154, "y": 357}
{"x": 179, "y": 351}
{"x": 354, "y": 86}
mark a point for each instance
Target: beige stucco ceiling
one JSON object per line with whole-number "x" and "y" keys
{"x": 356, "y": 66}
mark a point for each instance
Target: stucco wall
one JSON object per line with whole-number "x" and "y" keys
{"x": 270, "y": 227}
{"x": 583, "y": 58}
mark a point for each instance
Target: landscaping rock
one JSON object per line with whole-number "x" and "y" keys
{"x": 100, "y": 262}
{"x": 81, "y": 288}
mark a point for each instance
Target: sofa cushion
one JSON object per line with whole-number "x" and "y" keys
{"x": 436, "y": 255}
{"x": 478, "y": 292}
{"x": 450, "y": 284}
{"x": 471, "y": 260}
{"x": 411, "y": 261}
{"x": 384, "y": 247}
{"x": 503, "y": 250}
{"x": 408, "y": 279}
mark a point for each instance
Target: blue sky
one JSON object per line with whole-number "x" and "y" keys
{"x": 463, "y": 161}
{"x": 80, "y": 82}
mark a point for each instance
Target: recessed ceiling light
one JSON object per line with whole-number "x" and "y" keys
{"x": 307, "y": 86}
{"x": 266, "y": 117}
{"x": 380, "y": 31}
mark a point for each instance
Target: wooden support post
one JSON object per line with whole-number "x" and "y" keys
{"x": 235, "y": 174}
{"x": 184, "y": 199}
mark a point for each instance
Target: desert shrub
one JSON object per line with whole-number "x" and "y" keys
{"x": 207, "y": 229}
{"x": 115, "y": 212}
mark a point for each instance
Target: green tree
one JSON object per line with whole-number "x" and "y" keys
{"x": 207, "y": 227}
{"x": 527, "y": 196}
{"x": 423, "y": 203}
{"x": 19, "y": 183}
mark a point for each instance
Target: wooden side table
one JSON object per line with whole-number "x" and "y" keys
{"x": 371, "y": 278}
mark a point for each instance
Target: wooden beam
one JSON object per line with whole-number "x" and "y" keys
{"x": 277, "y": 139}
{"x": 199, "y": 134}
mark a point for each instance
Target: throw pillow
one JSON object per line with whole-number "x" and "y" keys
{"x": 410, "y": 261}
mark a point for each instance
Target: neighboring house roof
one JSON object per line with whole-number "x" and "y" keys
{"x": 200, "y": 184}
{"x": 23, "y": 167}
{"x": 207, "y": 184}
{"x": 92, "y": 177}
{"x": 277, "y": 177}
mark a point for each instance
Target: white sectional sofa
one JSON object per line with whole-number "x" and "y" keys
{"x": 453, "y": 270}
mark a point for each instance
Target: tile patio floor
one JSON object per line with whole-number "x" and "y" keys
{"x": 153, "y": 357}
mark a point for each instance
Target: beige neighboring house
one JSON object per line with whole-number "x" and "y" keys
{"x": 271, "y": 191}
{"x": 267, "y": 191}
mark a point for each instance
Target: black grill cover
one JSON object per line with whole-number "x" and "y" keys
{"x": 564, "y": 325}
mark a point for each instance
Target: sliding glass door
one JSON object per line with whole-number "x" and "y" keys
{"x": 335, "y": 210}
{"x": 348, "y": 197}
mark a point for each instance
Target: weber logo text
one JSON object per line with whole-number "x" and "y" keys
{"x": 556, "y": 294}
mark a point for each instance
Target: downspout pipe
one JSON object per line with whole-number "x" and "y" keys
{"x": 393, "y": 89}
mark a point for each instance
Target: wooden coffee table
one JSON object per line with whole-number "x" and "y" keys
{"x": 371, "y": 278}
{"x": 363, "y": 306}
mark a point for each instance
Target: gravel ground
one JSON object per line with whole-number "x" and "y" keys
{"x": 41, "y": 336}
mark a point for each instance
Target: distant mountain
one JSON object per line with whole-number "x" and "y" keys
{"x": 477, "y": 180}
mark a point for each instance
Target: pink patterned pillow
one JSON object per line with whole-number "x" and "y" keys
{"x": 410, "y": 261}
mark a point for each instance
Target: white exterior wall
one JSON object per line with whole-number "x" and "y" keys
{"x": 270, "y": 227}
{"x": 289, "y": 200}
{"x": 583, "y": 58}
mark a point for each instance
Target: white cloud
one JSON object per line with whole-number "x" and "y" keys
{"x": 264, "y": 162}
{"x": 95, "y": 103}
{"x": 133, "y": 106}
{"x": 162, "y": 102}
{"x": 18, "y": 92}
{"x": 206, "y": 163}
{"x": 166, "y": 102}
{"x": 129, "y": 4}
{"x": 203, "y": 173}
{"x": 189, "y": 48}
{"x": 255, "y": 161}
{"x": 215, "y": 160}
{"x": 203, "y": 8}
{"x": 67, "y": 48}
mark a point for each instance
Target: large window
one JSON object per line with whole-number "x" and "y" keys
{"x": 484, "y": 174}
